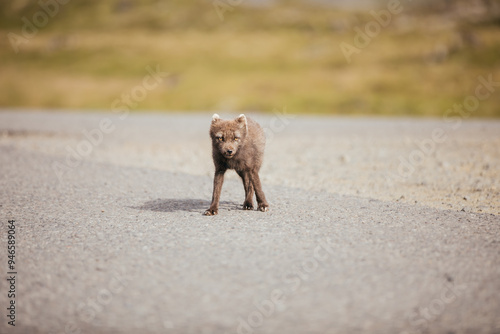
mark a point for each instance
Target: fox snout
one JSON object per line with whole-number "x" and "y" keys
{"x": 229, "y": 151}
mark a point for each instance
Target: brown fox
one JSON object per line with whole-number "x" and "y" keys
{"x": 238, "y": 144}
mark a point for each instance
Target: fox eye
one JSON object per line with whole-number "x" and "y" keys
{"x": 237, "y": 139}
{"x": 220, "y": 138}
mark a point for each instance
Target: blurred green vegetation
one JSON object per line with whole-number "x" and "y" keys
{"x": 252, "y": 58}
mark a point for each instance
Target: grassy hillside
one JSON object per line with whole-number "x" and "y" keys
{"x": 287, "y": 54}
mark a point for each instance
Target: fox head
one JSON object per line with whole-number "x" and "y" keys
{"x": 228, "y": 136}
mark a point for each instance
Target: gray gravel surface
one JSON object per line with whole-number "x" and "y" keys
{"x": 117, "y": 243}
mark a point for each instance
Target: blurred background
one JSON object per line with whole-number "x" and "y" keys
{"x": 249, "y": 55}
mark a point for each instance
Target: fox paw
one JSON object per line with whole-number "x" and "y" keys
{"x": 247, "y": 206}
{"x": 264, "y": 207}
{"x": 211, "y": 212}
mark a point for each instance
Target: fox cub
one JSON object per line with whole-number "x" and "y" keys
{"x": 238, "y": 144}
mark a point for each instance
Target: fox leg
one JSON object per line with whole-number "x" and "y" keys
{"x": 261, "y": 198}
{"x": 218, "y": 181}
{"x": 247, "y": 184}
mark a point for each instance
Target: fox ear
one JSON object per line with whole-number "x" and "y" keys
{"x": 215, "y": 118}
{"x": 242, "y": 121}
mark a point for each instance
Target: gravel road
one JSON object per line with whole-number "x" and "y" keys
{"x": 376, "y": 226}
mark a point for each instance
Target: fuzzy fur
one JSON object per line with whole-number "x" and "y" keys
{"x": 238, "y": 144}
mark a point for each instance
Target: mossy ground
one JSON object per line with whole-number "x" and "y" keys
{"x": 256, "y": 58}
